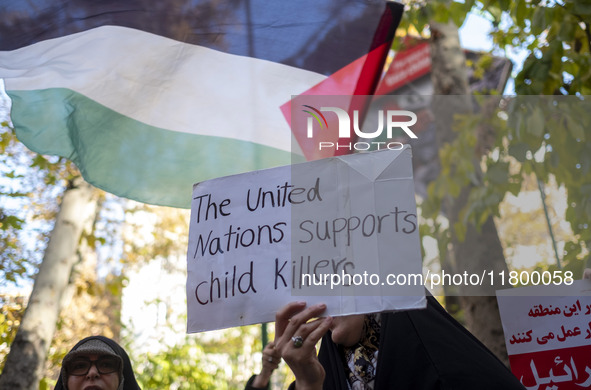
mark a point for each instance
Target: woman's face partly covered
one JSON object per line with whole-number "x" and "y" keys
{"x": 347, "y": 330}
{"x": 94, "y": 378}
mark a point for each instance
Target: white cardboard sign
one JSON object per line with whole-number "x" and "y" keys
{"x": 336, "y": 231}
{"x": 548, "y": 334}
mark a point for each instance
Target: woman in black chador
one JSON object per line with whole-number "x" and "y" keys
{"x": 418, "y": 349}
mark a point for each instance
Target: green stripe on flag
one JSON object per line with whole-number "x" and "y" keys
{"x": 127, "y": 157}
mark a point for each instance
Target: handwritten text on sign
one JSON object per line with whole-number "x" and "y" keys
{"x": 548, "y": 335}
{"x": 259, "y": 240}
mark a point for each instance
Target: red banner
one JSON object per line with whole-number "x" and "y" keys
{"x": 562, "y": 369}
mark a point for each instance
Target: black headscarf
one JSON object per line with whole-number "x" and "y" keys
{"x": 129, "y": 383}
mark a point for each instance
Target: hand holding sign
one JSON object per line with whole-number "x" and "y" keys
{"x": 298, "y": 330}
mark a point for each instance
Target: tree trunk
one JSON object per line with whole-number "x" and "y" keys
{"x": 481, "y": 249}
{"x": 28, "y": 352}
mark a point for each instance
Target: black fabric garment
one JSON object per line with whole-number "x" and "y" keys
{"x": 129, "y": 383}
{"x": 249, "y": 385}
{"x": 424, "y": 350}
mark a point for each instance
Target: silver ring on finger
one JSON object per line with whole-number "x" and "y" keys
{"x": 298, "y": 341}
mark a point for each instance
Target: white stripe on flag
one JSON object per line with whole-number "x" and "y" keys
{"x": 180, "y": 87}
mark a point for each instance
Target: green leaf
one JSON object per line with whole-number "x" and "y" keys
{"x": 14, "y": 194}
{"x": 46, "y": 384}
{"x": 554, "y": 160}
{"x": 483, "y": 217}
{"x": 13, "y": 175}
{"x": 514, "y": 188}
{"x": 11, "y": 221}
{"x": 457, "y": 12}
{"x": 519, "y": 151}
{"x": 497, "y": 15}
{"x": 575, "y": 128}
{"x": 442, "y": 13}
{"x": 498, "y": 173}
{"x": 538, "y": 21}
{"x": 535, "y": 122}
{"x": 567, "y": 32}
{"x": 505, "y": 4}
{"x": 582, "y": 7}
{"x": 460, "y": 229}
{"x": 520, "y": 12}
{"x": 40, "y": 162}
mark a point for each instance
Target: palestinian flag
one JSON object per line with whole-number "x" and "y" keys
{"x": 150, "y": 97}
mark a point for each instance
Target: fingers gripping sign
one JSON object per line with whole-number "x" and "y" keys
{"x": 298, "y": 329}
{"x": 271, "y": 357}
